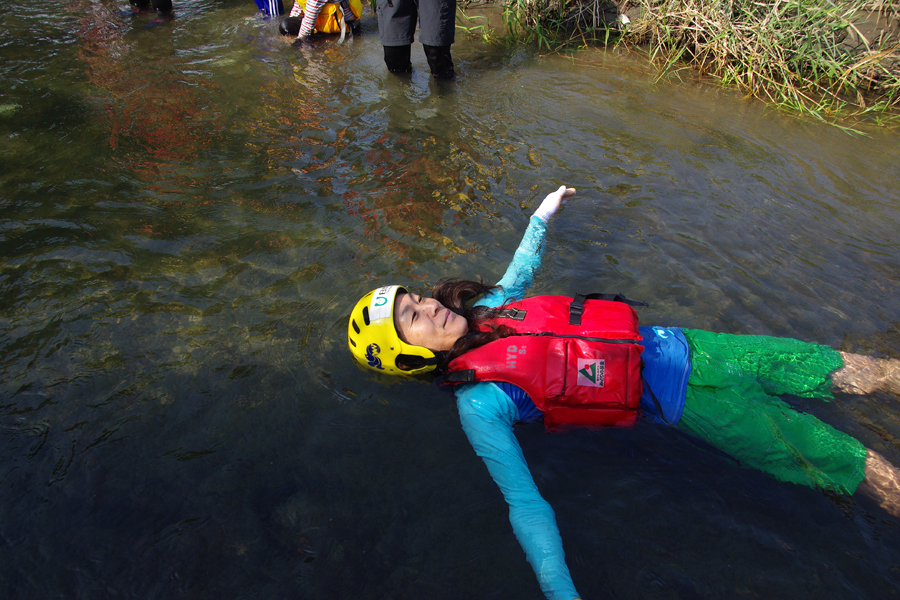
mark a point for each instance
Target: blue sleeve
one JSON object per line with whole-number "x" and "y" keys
{"x": 488, "y": 416}
{"x": 525, "y": 263}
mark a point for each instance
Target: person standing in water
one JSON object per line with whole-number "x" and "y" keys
{"x": 437, "y": 27}
{"x": 585, "y": 362}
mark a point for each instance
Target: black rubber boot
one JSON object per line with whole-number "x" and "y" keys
{"x": 397, "y": 58}
{"x": 439, "y": 60}
{"x": 163, "y": 7}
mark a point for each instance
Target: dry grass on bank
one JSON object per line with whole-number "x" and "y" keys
{"x": 804, "y": 54}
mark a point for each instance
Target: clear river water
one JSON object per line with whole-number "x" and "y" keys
{"x": 189, "y": 209}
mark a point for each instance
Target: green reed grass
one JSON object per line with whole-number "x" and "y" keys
{"x": 788, "y": 52}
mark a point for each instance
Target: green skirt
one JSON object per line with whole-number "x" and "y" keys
{"x": 731, "y": 403}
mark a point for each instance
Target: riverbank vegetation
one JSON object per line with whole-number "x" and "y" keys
{"x": 826, "y": 58}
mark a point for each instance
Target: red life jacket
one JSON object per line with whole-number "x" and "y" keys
{"x": 580, "y": 367}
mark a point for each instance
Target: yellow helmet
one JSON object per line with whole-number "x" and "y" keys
{"x": 373, "y": 338}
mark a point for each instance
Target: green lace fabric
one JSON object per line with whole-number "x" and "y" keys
{"x": 732, "y": 403}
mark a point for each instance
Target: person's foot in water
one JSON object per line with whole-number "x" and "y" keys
{"x": 864, "y": 374}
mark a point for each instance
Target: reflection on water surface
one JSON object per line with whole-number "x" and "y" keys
{"x": 191, "y": 208}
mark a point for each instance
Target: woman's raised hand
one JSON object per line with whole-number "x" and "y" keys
{"x": 552, "y": 202}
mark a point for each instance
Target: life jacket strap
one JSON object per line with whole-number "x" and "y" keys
{"x": 465, "y": 376}
{"x": 576, "y": 308}
{"x": 343, "y": 24}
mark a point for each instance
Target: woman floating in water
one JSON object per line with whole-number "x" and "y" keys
{"x": 584, "y": 361}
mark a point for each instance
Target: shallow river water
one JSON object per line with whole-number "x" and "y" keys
{"x": 190, "y": 209}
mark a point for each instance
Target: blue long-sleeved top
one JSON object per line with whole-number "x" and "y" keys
{"x": 489, "y": 411}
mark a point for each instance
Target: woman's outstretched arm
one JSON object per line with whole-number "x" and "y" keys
{"x": 487, "y": 416}
{"x": 527, "y": 259}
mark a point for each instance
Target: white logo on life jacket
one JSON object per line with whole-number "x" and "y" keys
{"x": 591, "y": 372}
{"x": 512, "y": 353}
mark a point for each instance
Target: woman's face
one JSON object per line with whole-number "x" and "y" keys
{"x": 426, "y": 322}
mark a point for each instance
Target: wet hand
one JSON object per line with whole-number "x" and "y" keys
{"x": 552, "y": 203}
{"x": 303, "y": 41}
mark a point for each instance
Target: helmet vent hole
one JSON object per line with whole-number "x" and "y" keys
{"x": 366, "y": 314}
{"x": 352, "y": 343}
{"x": 355, "y": 327}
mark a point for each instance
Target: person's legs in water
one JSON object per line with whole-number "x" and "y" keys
{"x": 396, "y": 29}
{"x": 731, "y": 404}
{"x": 861, "y": 374}
{"x": 882, "y": 483}
{"x": 437, "y": 27}
{"x": 397, "y": 58}
{"x": 439, "y": 61}
{"x": 864, "y": 374}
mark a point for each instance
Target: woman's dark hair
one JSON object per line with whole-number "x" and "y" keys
{"x": 456, "y": 294}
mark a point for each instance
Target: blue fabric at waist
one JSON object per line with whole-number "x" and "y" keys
{"x": 667, "y": 367}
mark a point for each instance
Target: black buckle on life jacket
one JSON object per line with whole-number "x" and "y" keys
{"x": 516, "y": 314}
{"x": 576, "y": 309}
